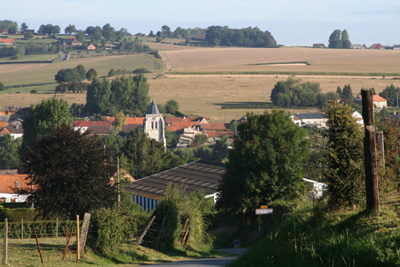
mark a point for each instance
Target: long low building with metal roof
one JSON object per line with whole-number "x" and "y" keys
{"x": 196, "y": 176}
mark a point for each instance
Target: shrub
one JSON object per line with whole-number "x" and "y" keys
{"x": 34, "y": 91}
{"x": 141, "y": 70}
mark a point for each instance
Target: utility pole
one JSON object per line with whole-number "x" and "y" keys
{"x": 371, "y": 170}
{"x": 118, "y": 185}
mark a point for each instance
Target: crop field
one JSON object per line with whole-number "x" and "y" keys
{"x": 222, "y": 97}
{"x": 19, "y": 74}
{"x": 290, "y": 59}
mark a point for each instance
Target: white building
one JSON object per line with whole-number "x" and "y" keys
{"x": 154, "y": 124}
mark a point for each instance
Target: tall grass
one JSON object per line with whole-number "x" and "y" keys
{"x": 309, "y": 238}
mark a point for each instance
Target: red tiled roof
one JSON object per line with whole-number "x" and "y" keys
{"x": 7, "y": 41}
{"x": 375, "y": 98}
{"x": 214, "y": 126}
{"x": 220, "y": 133}
{"x": 8, "y": 183}
{"x": 134, "y": 120}
{"x": 92, "y": 123}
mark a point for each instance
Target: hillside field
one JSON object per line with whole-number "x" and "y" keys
{"x": 214, "y": 95}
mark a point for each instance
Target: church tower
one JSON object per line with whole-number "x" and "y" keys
{"x": 154, "y": 124}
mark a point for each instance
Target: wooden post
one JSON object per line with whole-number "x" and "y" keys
{"x": 381, "y": 146}
{"x": 22, "y": 228}
{"x": 67, "y": 243}
{"x": 38, "y": 245}
{"x": 5, "y": 242}
{"x": 371, "y": 170}
{"x": 78, "y": 255}
{"x": 84, "y": 233}
{"x": 140, "y": 239}
{"x": 118, "y": 185}
{"x": 57, "y": 227}
{"x": 159, "y": 234}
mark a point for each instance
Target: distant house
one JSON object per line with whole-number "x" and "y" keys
{"x": 91, "y": 47}
{"x": 379, "y": 102}
{"x": 357, "y": 46}
{"x": 310, "y": 119}
{"x": 15, "y": 131}
{"x": 201, "y": 175}
{"x": 7, "y": 41}
{"x": 5, "y": 31}
{"x": 10, "y": 184}
{"x": 76, "y": 43}
{"x": 396, "y": 47}
{"x": 95, "y": 127}
{"x": 377, "y": 46}
{"x": 319, "y": 45}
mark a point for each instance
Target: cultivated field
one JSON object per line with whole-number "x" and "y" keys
{"x": 19, "y": 74}
{"x": 260, "y": 59}
{"x": 213, "y": 95}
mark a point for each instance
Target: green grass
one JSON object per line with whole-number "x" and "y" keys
{"x": 344, "y": 238}
{"x": 34, "y": 74}
{"x": 24, "y": 252}
{"x": 41, "y": 57}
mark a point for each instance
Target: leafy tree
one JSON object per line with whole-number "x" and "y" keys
{"x": 220, "y": 149}
{"x": 69, "y": 75}
{"x": 346, "y": 44}
{"x": 28, "y": 35}
{"x": 44, "y": 117}
{"x": 91, "y": 74}
{"x": 151, "y": 34}
{"x": 1, "y": 86}
{"x": 80, "y": 36}
{"x": 199, "y": 139}
{"x": 69, "y": 174}
{"x": 166, "y": 32}
{"x": 24, "y": 27}
{"x": 70, "y": 29}
{"x": 9, "y": 25}
{"x": 147, "y": 156}
{"x": 9, "y": 152}
{"x": 172, "y": 139}
{"x": 345, "y": 156}
{"x": 81, "y": 71}
{"x": 98, "y": 96}
{"x": 390, "y": 93}
{"x": 89, "y": 31}
{"x": 265, "y": 164}
{"x": 108, "y": 32}
{"x": 172, "y": 106}
{"x": 335, "y": 39}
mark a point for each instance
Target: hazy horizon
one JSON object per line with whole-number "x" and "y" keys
{"x": 291, "y": 22}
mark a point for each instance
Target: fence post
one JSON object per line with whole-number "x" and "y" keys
{"x": 139, "y": 241}
{"x": 57, "y": 227}
{"x": 84, "y": 233}
{"x": 5, "y": 242}
{"x": 22, "y": 228}
{"x": 78, "y": 256}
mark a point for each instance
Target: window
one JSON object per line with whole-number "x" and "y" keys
{"x": 156, "y": 124}
{"x": 152, "y": 125}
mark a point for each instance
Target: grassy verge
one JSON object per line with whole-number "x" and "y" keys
{"x": 344, "y": 238}
{"x": 24, "y": 252}
{"x": 285, "y": 73}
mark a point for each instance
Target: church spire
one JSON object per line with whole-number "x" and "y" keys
{"x": 153, "y": 108}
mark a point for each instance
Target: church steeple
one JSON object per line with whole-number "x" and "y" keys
{"x": 153, "y": 108}
{"x": 154, "y": 124}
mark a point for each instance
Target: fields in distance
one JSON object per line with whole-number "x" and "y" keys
{"x": 214, "y": 95}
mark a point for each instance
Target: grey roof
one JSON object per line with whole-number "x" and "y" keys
{"x": 310, "y": 116}
{"x": 195, "y": 176}
{"x": 153, "y": 108}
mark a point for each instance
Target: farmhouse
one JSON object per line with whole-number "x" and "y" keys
{"x": 91, "y": 47}
{"x": 7, "y": 41}
{"x": 377, "y": 46}
{"x": 95, "y": 127}
{"x": 379, "y": 102}
{"x": 201, "y": 175}
{"x": 310, "y": 119}
{"x": 10, "y": 183}
{"x": 319, "y": 46}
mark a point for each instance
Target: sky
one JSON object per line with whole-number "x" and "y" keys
{"x": 291, "y": 22}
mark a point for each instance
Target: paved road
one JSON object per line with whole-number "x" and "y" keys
{"x": 209, "y": 262}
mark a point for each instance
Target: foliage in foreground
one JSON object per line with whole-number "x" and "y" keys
{"x": 312, "y": 238}
{"x": 68, "y": 173}
{"x": 266, "y": 163}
